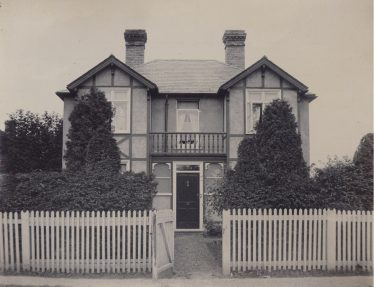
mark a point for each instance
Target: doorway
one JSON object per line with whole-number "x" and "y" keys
{"x": 188, "y": 200}
{"x": 187, "y": 195}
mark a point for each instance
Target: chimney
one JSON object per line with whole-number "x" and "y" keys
{"x": 135, "y": 45}
{"x": 234, "y": 41}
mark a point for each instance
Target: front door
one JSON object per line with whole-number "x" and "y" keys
{"x": 188, "y": 200}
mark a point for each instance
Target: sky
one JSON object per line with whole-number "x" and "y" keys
{"x": 326, "y": 44}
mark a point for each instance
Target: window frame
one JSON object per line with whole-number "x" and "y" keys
{"x": 249, "y": 124}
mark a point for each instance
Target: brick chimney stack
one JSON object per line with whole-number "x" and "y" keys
{"x": 135, "y": 46}
{"x": 234, "y": 41}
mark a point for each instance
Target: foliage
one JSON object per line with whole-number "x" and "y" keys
{"x": 341, "y": 185}
{"x": 102, "y": 151}
{"x": 363, "y": 158}
{"x": 33, "y": 142}
{"x": 213, "y": 228}
{"x": 271, "y": 171}
{"x": 92, "y": 111}
{"x": 100, "y": 190}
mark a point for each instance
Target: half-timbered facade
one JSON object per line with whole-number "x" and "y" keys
{"x": 183, "y": 120}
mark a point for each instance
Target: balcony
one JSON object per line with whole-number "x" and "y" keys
{"x": 188, "y": 143}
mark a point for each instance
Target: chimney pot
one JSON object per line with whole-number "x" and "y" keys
{"x": 135, "y": 46}
{"x": 234, "y": 41}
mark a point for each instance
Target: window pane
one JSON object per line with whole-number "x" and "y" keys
{"x": 188, "y": 105}
{"x": 120, "y": 116}
{"x": 188, "y": 121}
{"x": 190, "y": 167}
{"x": 256, "y": 114}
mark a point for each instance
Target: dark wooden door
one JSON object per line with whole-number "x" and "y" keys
{"x": 188, "y": 202}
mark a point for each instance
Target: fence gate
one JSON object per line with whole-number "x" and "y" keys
{"x": 163, "y": 242}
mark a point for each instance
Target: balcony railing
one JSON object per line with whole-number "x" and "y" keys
{"x": 188, "y": 143}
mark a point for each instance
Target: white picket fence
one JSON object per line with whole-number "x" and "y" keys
{"x": 296, "y": 240}
{"x": 76, "y": 242}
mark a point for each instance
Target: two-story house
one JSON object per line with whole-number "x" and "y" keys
{"x": 183, "y": 120}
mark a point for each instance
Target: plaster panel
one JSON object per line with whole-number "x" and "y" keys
{"x": 139, "y": 111}
{"x": 236, "y": 111}
{"x": 121, "y": 79}
{"x": 234, "y": 144}
{"x": 290, "y": 96}
{"x": 139, "y": 147}
{"x": 139, "y": 166}
{"x": 162, "y": 202}
{"x": 271, "y": 80}
{"x": 158, "y": 114}
{"x": 104, "y": 78}
{"x": 254, "y": 80}
{"x": 211, "y": 114}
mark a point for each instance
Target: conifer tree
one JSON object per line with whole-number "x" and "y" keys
{"x": 91, "y": 112}
{"x": 102, "y": 151}
{"x": 363, "y": 158}
{"x": 283, "y": 171}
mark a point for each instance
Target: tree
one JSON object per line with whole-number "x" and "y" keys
{"x": 33, "y": 142}
{"x": 283, "y": 173}
{"x": 102, "y": 151}
{"x": 363, "y": 158}
{"x": 91, "y": 112}
{"x": 271, "y": 171}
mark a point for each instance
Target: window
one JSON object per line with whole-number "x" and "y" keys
{"x": 256, "y": 101}
{"x": 187, "y": 116}
{"x": 187, "y": 122}
{"x": 120, "y": 100}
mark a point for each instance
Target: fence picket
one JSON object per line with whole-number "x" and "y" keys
{"x": 367, "y": 246}
{"x": 138, "y": 267}
{"x": 128, "y": 243}
{"x": 1, "y": 243}
{"x": 144, "y": 241}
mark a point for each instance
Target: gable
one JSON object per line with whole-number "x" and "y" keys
{"x": 265, "y": 74}
{"x": 109, "y": 70}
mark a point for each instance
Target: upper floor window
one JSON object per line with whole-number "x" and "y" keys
{"x": 187, "y": 116}
{"x": 256, "y": 101}
{"x": 120, "y": 100}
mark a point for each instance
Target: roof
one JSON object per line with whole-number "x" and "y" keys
{"x": 265, "y": 62}
{"x": 187, "y": 76}
{"x": 111, "y": 60}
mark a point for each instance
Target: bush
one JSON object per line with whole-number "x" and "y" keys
{"x": 213, "y": 228}
{"x": 341, "y": 185}
{"x": 100, "y": 190}
{"x": 32, "y": 142}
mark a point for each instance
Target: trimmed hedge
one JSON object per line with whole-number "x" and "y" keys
{"x": 84, "y": 190}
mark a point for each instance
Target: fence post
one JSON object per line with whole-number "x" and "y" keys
{"x": 331, "y": 240}
{"x": 226, "y": 243}
{"x": 25, "y": 235}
